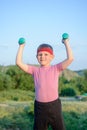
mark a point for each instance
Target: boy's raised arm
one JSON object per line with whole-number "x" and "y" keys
{"x": 19, "y": 58}
{"x": 69, "y": 52}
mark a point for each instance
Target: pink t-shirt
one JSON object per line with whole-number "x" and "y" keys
{"x": 46, "y": 81}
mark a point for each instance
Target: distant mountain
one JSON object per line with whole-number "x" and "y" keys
{"x": 68, "y": 74}
{"x": 81, "y": 72}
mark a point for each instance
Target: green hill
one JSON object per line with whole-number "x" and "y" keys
{"x": 81, "y": 72}
{"x": 68, "y": 74}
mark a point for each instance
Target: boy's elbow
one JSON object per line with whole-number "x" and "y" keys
{"x": 71, "y": 59}
{"x": 17, "y": 63}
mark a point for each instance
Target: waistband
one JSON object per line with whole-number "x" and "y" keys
{"x": 51, "y": 102}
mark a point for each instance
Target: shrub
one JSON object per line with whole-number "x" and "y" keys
{"x": 68, "y": 92}
{"x": 20, "y": 79}
{"x": 5, "y": 81}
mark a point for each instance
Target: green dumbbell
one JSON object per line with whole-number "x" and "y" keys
{"x": 21, "y": 41}
{"x": 65, "y": 36}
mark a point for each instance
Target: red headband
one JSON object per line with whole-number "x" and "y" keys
{"x": 45, "y": 49}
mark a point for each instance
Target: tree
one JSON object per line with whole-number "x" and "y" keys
{"x": 85, "y": 74}
{"x": 20, "y": 79}
{"x": 5, "y": 81}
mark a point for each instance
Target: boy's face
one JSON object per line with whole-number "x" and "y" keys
{"x": 44, "y": 58}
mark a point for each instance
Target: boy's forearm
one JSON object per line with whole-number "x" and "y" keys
{"x": 19, "y": 55}
{"x": 19, "y": 59}
{"x": 69, "y": 51}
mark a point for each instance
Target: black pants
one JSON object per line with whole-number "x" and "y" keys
{"x": 48, "y": 114}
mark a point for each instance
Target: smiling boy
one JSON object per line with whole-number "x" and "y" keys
{"x": 47, "y": 104}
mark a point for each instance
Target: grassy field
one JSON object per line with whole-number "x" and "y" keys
{"x": 16, "y": 112}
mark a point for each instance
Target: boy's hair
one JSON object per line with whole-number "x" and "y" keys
{"x": 45, "y": 47}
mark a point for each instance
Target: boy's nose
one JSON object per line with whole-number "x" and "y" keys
{"x": 42, "y": 55}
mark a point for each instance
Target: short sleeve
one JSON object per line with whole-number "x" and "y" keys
{"x": 59, "y": 67}
{"x": 31, "y": 69}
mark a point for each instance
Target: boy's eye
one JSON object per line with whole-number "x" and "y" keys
{"x": 43, "y": 54}
{"x": 46, "y": 54}
{"x": 39, "y": 55}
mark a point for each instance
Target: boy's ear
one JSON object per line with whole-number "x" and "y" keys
{"x": 52, "y": 56}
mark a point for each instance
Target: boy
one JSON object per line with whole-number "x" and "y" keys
{"x": 47, "y": 105}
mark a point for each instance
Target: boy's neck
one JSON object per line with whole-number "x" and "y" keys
{"x": 45, "y": 65}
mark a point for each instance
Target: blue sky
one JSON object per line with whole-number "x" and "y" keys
{"x": 43, "y": 21}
